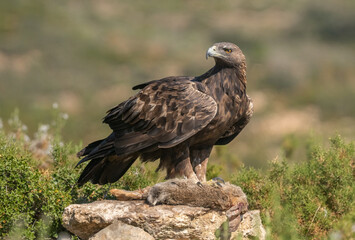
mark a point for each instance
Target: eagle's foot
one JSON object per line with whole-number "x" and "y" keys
{"x": 217, "y": 182}
{"x": 218, "y": 179}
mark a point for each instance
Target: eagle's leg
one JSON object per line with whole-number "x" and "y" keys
{"x": 184, "y": 168}
{"x": 199, "y": 160}
{"x": 180, "y": 164}
{"x": 201, "y": 169}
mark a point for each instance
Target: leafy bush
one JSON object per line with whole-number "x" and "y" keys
{"x": 305, "y": 200}
{"x": 31, "y": 201}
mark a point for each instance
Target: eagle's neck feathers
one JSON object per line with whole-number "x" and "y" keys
{"x": 226, "y": 78}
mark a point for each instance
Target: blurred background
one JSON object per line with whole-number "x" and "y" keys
{"x": 83, "y": 57}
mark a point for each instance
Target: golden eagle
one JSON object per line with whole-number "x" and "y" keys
{"x": 176, "y": 120}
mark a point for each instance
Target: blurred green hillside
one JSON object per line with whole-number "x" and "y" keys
{"x": 86, "y": 55}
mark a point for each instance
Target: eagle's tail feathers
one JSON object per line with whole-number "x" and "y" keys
{"x": 106, "y": 170}
{"x": 86, "y": 150}
{"x": 111, "y": 157}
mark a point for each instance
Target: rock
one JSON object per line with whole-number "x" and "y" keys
{"x": 121, "y": 231}
{"x": 64, "y": 236}
{"x": 251, "y": 227}
{"x": 161, "y": 221}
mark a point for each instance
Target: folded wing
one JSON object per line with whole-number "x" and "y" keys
{"x": 163, "y": 113}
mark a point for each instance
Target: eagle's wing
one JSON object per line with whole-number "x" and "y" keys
{"x": 165, "y": 112}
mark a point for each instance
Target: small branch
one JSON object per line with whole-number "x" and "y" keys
{"x": 314, "y": 216}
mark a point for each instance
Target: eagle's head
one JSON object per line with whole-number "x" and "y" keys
{"x": 226, "y": 53}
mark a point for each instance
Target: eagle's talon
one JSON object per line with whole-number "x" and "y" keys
{"x": 199, "y": 184}
{"x": 218, "y": 180}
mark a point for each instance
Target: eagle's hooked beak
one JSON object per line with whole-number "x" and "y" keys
{"x": 212, "y": 52}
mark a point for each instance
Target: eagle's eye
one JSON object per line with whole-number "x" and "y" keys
{"x": 227, "y": 50}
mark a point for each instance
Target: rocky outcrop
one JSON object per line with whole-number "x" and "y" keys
{"x": 161, "y": 221}
{"x": 176, "y": 209}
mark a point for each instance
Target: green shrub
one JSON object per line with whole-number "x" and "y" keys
{"x": 31, "y": 202}
{"x": 306, "y": 200}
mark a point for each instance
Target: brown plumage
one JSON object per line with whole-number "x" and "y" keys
{"x": 176, "y": 120}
